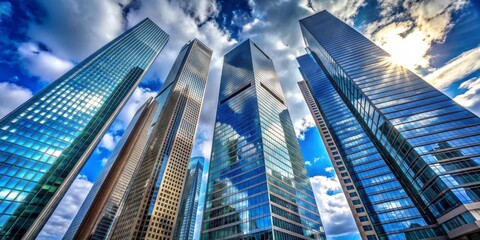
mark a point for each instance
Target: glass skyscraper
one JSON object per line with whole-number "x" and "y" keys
{"x": 187, "y": 215}
{"x": 152, "y": 204}
{"x": 104, "y": 201}
{"x": 258, "y": 186}
{"x": 46, "y": 141}
{"x": 406, "y": 154}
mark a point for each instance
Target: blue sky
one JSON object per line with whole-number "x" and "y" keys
{"x": 437, "y": 39}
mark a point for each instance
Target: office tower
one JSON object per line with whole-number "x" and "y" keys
{"x": 258, "y": 186}
{"x": 46, "y": 141}
{"x": 185, "y": 227}
{"x": 407, "y": 154}
{"x": 95, "y": 217}
{"x": 152, "y": 204}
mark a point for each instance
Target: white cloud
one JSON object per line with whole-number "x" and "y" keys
{"x": 75, "y": 29}
{"x": 302, "y": 125}
{"x": 175, "y": 18}
{"x": 455, "y": 69}
{"x": 42, "y": 64}
{"x": 199, "y": 10}
{"x": 104, "y": 161}
{"x": 60, "y": 220}
{"x": 5, "y": 10}
{"x": 329, "y": 169}
{"x": 308, "y": 163}
{"x": 108, "y": 141}
{"x": 332, "y": 204}
{"x": 275, "y": 28}
{"x": 471, "y": 98}
{"x": 138, "y": 98}
{"x": 203, "y": 143}
{"x": 343, "y": 9}
{"x": 11, "y": 97}
{"x": 409, "y": 28}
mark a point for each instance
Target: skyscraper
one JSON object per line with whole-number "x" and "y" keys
{"x": 46, "y": 141}
{"x": 185, "y": 227}
{"x": 406, "y": 153}
{"x": 152, "y": 204}
{"x": 96, "y": 215}
{"x": 258, "y": 186}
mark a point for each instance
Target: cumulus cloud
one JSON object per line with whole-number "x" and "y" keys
{"x": 60, "y": 220}
{"x": 138, "y": 98}
{"x": 471, "y": 98}
{"x": 42, "y": 64}
{"x": 75, "y": 29}
{"x": 333, "y": 207}
{"x": 274, "y": 27}
{"x": 456, "y": 69}
{"x": 343, "y": 9}
{"x": 203, "y": 141}
{"x": 11, "y": 97}
{"x": 179, "y": 21}
{"x": 409, "y": 28}
{"x": 109, "y": 141}
{"x": 302, "y": 125}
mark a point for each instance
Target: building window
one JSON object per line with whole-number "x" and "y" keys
{"x": 367, "y": 228}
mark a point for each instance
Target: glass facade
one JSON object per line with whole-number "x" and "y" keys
{"x": 411, "y": 151}
{"x": 258, "y": 186}
{"x": 185, "y": 228}
{"x": 45, "y": 142}
{"x": 97, "y": 213}
{"x": 312, "y": 72}
{"x": 152, "y": 204}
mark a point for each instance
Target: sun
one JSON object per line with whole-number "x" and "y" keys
{"x": 409, "y": 51}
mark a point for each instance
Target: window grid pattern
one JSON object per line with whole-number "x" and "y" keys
{"x": 257, "y": 178}
{"x": 45, "y": 141}
{"x": 409, "y": 120}
{"x": 185, "y": 227}
{"x": 130, "y": 147}
{"x": 375, "y": 183}
{"x": 333, "y": 152}
{"x": 152, "y": 205}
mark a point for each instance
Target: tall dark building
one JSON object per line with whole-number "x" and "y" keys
{"x": 95, "y": 217}
{"x": 258, "y": 186}
{"x": 45, "y": 142}
{"x": 152, "y": 204}
{"x": 407, "y": 155}
{"x": 187, "y": 215}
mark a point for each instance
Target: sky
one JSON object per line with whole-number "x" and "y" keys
{"x": 39, "y": 41}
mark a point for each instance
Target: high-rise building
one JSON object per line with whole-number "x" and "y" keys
{"x": 258, "y": 186}
{"x": 407, "y": 155}
{"x": 45, "y": 142}
{"x": 153, "y": 202}
{"x": 96, "y": 215}
{"x": 187, "y": 215}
